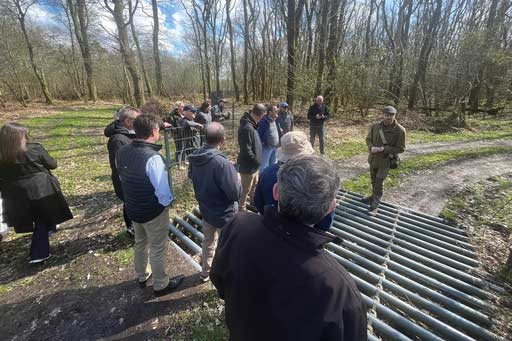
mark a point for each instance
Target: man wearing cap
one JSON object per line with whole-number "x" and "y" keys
{"x": 385, "y": 140}
{"x": 317, "y": 115}
{"x": 277, "y": 281}
{"x": 284, "y": 120}
{"x": 190, "y": 130}
{"x": 269, "y": 137}
{"x": 249, "y": 158}
{"x": 217, "y": 189}
{"x": 218, "y": 113}
{"x": 293, "y": 144}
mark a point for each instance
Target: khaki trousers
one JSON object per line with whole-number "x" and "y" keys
{"x": 209, "y": 244}
{"x": 155, "y": 235}
{"x": 249, "y": 182}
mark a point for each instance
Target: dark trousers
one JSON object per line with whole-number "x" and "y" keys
{"x": 313, "y": 132}
{"x": 127, "y": 220}
{"x": 40, "y": 247}
{"x": 378, "y": 175}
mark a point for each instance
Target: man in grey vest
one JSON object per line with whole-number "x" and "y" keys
{"x": 147, "y": 196}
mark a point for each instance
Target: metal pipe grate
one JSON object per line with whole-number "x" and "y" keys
{"x": 414, "y": 271}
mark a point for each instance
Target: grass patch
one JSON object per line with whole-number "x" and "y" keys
{"x": 124, "y": 257}
{"x": 362, "y": 184}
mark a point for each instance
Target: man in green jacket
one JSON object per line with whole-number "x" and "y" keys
{"x": 385, "y": 140}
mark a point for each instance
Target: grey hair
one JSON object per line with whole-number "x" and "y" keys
{"x": 127, "y": 112}
{"x": 307, "y": 186}
{"x": 214, "y": 133}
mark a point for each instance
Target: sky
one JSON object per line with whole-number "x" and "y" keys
{"x": 172, "y": 21}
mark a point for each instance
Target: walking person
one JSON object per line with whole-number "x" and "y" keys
{"x": 277, "y": 281}
{"x": 318, "y": 113}
{"x": 31, "y": 196}
{"x": 148, "y": 197}
{"x": 217, "y": 189}
{"x": 385, "y": 140}
{"x": 269, "y": 137}
{"x": 284, "y": 120}
{"x": 119, "y": 134}
{"x": 249, "y": 158}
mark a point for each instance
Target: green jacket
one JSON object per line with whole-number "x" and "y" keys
{"x": 395, "y": 137}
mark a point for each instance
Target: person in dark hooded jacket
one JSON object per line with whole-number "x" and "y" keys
{"x": 217, "y": 189}
{"x": 120, "y": 132}
{"x": 276, "y": 279}
{"x": 249, "y": 158}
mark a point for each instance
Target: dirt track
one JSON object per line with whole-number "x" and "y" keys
{"x": 358, "y": 164}
{"x": 429, "y": 190}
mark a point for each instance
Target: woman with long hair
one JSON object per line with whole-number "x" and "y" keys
{"x": 32, "y": 198}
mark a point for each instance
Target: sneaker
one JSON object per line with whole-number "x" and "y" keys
{"x": 39, "y": 260}
{"x": 131, "y": 231}
{"x": 374, "y": 205}
{"x": 367, "y": 200}
{"x": 173, "y": 284}
{"x": 142, "y": 284}
{"x": 204, "y": 279}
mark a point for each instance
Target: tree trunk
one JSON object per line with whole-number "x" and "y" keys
{"x": 426, "y": 48}
{"x": 37, "y": 71}
{"x": 80, "y": 18}
{"x": 246, "y": 52}
{"x": 337, "y": 14}
{"x": 126, "y": 51}
{"x": 135, "y": 37}
{"x": 324, "y": 10}
{"x": 156, "y": 50}
{"x": 294, "y": 15}
{"x": 232, "y": 50}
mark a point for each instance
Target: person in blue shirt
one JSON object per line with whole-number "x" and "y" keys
{"x": 147, "y": 196}
{"x": 269, "y": 137}
{"x": 293, "y": 144}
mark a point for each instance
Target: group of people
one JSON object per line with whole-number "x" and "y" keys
{"x": 269, "y": 267}
{"x": 187, "y": 125}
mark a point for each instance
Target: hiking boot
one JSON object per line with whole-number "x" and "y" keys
{"x": 374, "y": 205}
{"x": 131, "y": 231}
{"x": 204, "y": 279}
{"x": 39, "y": 260}
{"x": 367, "y": 200}
{"x": 173, "y": 284}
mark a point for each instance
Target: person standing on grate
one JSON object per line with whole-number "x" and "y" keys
{"x": 385, "y": 140}
{"x": 272, "y": 271}
{"x": 217, "y": 189}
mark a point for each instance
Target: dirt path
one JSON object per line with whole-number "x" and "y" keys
{"x": 429, "y": 190}
{"x": 358, "y": 164}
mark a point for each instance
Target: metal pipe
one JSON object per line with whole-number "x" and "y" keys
{"x": 189, "y": 228}
{"x": 168, "y": 157}
{"x": 186, "y": 240}
{"x": 411, "y": 284}
{"x": 408, "y": 222}
{"x": 390, "y": 333}
{"x": 434, "y": 308}
{"x": 187, "y": 257}
{"x": 371, "y": 226}
{"x": 195, "y": 220}
{"x": 379, "y": 224}
{"x": 438, "y": 265}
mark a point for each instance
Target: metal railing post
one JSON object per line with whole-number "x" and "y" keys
{"x": 168, "y": 164}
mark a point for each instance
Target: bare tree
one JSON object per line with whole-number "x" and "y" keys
{"x": 156, "y": 49}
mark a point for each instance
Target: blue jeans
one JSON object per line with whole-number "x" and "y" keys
{"x": 268, "y": 157}
{"x": 320, "y": 131}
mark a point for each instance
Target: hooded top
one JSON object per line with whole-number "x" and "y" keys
{"x": 118, "y": 137}
{"x": 216, "y": 185}
{"x": 249, "y": 159}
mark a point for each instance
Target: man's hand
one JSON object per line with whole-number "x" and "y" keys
{"x": 167, "y": 125}
{"x": 318, "y": 116}
{"x": 376, "y": 149}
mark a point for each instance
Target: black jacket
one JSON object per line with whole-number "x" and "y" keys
{"x": 249, "y": 159}
{"x": 30, "y": 192}
{"x": 279, "y": 284}
{"x": 216, "y": 185}
{"x": 118, "y": 137}
{"x": 142, "y": 205}
{"x": 316, "y": 109}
